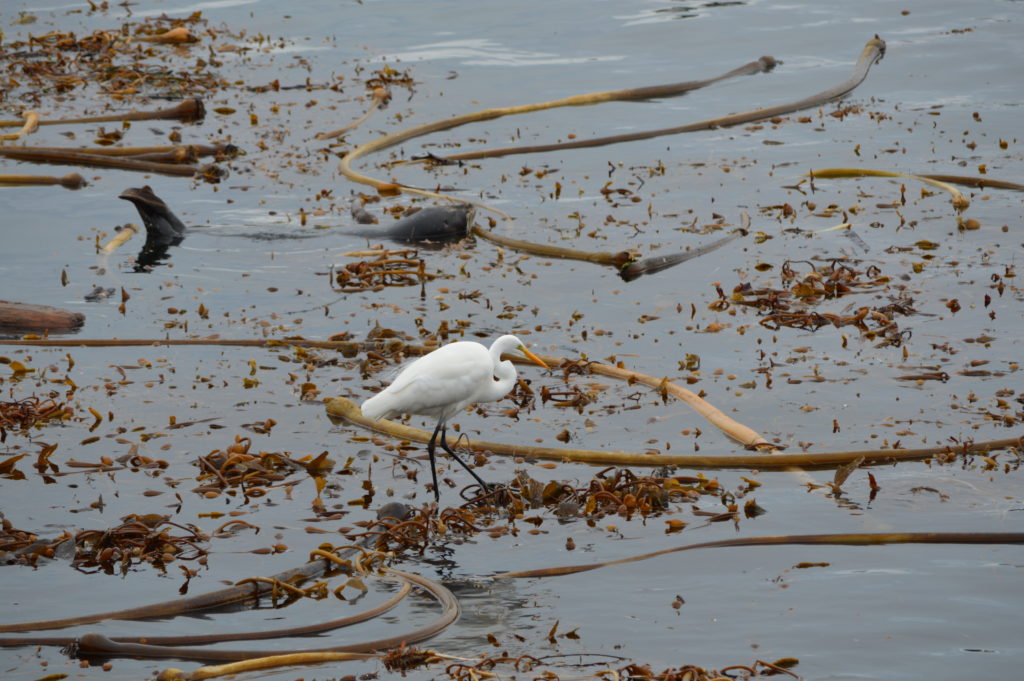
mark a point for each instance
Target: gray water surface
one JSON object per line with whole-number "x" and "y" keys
{"x": 946, "y": 99}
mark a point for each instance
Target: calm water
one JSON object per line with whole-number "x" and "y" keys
{"x": 946, "y": 99}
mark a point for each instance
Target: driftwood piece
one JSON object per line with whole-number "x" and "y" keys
{"x": 26, "y": 318}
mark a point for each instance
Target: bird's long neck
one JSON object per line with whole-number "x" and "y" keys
{"x": 505, "y": 373}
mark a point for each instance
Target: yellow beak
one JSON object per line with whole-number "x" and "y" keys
{"x": 532, "y": 357}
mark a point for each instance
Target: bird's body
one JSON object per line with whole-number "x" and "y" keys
{"x": 446, "y": 381}
{"x": 441, "y": 384}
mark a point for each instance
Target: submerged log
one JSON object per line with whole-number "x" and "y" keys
{"x": 26, "y": 318}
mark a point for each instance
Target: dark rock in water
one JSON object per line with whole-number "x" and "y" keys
{"x": 435, "y": 224}
{"x": 163, "y": 228}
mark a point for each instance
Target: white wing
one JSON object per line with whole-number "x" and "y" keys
{"x": 440, "y": 384}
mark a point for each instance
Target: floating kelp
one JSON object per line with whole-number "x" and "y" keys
{"x": 189, "y": 110}
{"x": 791, "y": 306}
{"x": 340, "y": 407}
{"x": 872, "y": 53}
{"x": 380, "y": 98}
{"x": 112, "y": 60}
{"x": 23, "y": 415}
{"x": 579, "y": 665}
{"x": 139, "y": 538}
{"x": 27, "y": 128}
{"x": 388, "y": 269}
{"x": 69, "y": 181}
{"x": 865, "y": 539}
{"x": 63, "y": 61}
{"x": 107, "y": 161}
{"x": 960, "y": 202}
{"x": 250, "y": 473}
{"x": 352, "y": 559}
{"x": 381, "y": 143}
{"x": 346, "y": 348}
{"x": 250, "y": 592}
{"x": 19, "y": 546}
{"x": 658, "y": 263}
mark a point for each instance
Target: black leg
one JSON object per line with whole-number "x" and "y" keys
{"x": 433, "y": 461}
{"x": 445, "y": 447}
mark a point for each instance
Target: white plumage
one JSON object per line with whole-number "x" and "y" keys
{"x": 446, "y": 381}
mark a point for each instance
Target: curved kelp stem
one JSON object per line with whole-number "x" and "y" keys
{"x": 213, "y": 599}
{"x": 381, "y": 143}
{"x": 657, "y": 263}
{"x": 616, "y": 259}
{"x": 345, "y": 409}
{"x": 112, "y": 643}
{"x": 619, "y": 259}
{"x": 871, "y": 55}
{"x": 737, "y": 431}
{"x": 95, "y": 644}
{"x": 979, "y": 182}
{"x": 120, "y": 238}
{"x": 166, "y": 646}
{"x": 181, "y": 606}
{"x": 30, "y": 125}
{"x": 380, "y": 97}
{"x": 960, "y": 202}
{"x": 629, "y": 268}
{"x": 251, "y": 591}
{"x": 867, "y": 539}
{"x": 256, "y": 664}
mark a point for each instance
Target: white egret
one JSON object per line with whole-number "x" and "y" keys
{"x": 446, "y": 381}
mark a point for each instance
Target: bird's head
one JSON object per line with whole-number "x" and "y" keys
{"x": 509, "y": 344}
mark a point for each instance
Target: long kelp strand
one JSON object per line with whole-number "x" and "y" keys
{"x": 872, "y": 539}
